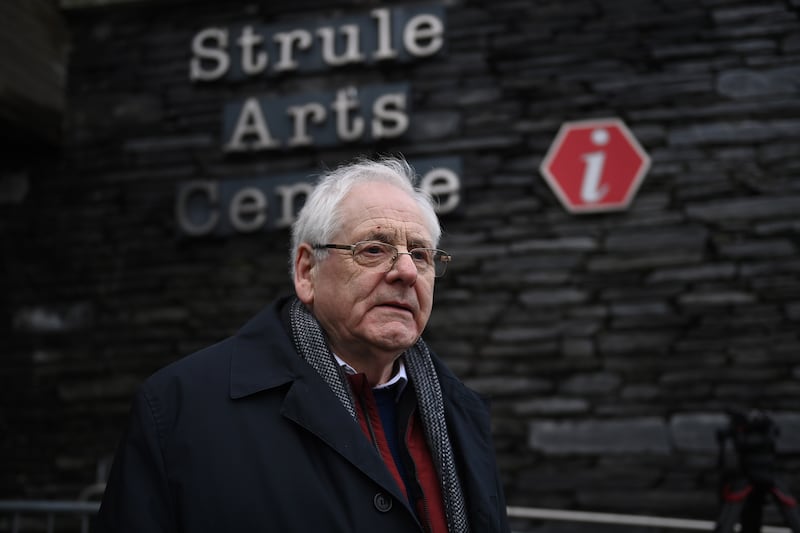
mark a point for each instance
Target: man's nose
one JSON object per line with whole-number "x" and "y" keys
{"x": 404, "y": 266}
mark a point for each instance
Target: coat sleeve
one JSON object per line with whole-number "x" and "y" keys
{"x": 137, "y": 496}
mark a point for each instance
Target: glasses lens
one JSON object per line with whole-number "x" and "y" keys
{"x": 372, "y": 253}
{"x": 423, "y": 257}
{"x": 377, "y": 254}
{"x": 440, "y": 262}
{"x": 430, "y": 258}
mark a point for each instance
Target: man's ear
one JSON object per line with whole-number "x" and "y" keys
{"x": 304, "y": 273}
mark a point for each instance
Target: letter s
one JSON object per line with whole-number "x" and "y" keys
{"x": 209, "y": 44}
{"x": 389, "y": 118}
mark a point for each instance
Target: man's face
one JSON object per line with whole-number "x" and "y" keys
{"x": 372, "y": 312}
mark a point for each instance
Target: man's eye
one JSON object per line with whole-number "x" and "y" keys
{"x": 373, "y": 249}
{"x": 421, "y": 255}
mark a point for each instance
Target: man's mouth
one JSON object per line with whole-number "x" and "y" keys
{"x": 398, "y": 305}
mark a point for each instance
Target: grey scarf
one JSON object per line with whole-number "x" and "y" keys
{"x": 309, "y": 339}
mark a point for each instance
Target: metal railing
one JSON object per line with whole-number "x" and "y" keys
{"x": 45, "y": 511}
{"x": 656, "y": 522}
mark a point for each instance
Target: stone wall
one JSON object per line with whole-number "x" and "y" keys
{"x": 610, "y": 344}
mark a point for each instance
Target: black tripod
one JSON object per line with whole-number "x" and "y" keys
{"x": 746, "y": 484}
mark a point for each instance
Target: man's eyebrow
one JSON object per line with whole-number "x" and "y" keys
{"x": 380, "y": 236}
{"x": 419, "y": 243}
{"x": 390, "y": 238}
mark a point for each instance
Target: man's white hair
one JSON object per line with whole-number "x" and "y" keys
{"x": 320, "y": 217}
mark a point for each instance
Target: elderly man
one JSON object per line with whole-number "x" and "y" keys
{"x": 327, "y": 411}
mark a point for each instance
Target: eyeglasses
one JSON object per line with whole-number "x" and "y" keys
{"x": 374, "y": 254}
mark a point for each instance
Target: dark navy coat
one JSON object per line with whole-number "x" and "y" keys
{"x": 244, "y": 436}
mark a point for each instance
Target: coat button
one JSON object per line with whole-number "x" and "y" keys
{"x": 383, "y": 502}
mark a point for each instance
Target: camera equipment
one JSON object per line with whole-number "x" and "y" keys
{"x": 748, "y": 480}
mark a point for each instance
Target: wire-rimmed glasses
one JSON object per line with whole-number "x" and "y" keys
{"x": 374, "y": 254}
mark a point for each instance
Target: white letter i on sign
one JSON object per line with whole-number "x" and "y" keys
{"x": 591, "y": 192}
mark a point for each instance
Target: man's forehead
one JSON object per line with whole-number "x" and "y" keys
{"x": 382, "y": 211}
{"x": 388, "y": 230}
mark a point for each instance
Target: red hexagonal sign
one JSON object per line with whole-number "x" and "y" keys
{"x": 595, "y": 165}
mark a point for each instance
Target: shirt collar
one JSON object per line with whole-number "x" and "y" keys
{"x": 397, "y": 381}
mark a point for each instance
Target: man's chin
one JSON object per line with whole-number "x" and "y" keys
{"x": 395, "y": 339}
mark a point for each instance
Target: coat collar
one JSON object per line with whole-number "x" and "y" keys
{"x": 262, "y": 355}
{"x": 263, "y": 358}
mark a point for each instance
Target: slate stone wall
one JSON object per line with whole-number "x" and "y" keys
{"x": 610, "y": 344}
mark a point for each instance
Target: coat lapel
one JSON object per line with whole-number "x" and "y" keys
{"x": 311, "y": 404}
{"x": 263, "y": 357}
